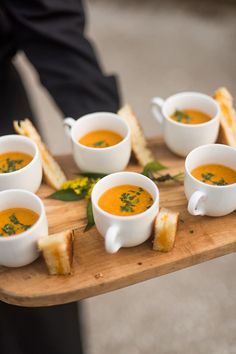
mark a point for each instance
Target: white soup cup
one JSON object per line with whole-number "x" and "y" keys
{"x": 28, "y": 177}
{"x": 182, "y": 138}
{"x": 205, "y": 199}
{"x": 124, "y": 231}
{"x": 106, "y": 160}
{"x": 21, "y": 249}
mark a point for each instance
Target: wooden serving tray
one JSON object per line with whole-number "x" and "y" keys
{"x": 96, "y": 272}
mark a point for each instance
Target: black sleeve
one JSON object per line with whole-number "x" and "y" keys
{"x": 51, "y": 33}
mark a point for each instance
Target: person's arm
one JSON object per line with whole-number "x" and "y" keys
{"x": 51, "y": 33}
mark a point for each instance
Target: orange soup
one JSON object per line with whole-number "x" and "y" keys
{"x": 100, "y": 139}
{"x": 16, "y": 220}
{"x": 125, "y": 200}
{"x": 188, "y": 116}
{"x": 13, "y": 161}
{"x": 216, "y": 175}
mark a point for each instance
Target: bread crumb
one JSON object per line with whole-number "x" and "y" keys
{"x": 98, "y": 275}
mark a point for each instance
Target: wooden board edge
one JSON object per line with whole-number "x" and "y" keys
{"x": 102, "y": 287}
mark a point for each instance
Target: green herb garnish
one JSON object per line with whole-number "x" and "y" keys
{"x": 101, "y": 143}
{"x": 207, "y": 176}
{"x": 127, "y": 208}
{"x": 221, "y": 182}
{"x": 11, "y": 166}
{"x": 93, "y": 175}
{"x": 9, "y": 229}
{"x": 67, "y": 195}
{"x": 168, "y": 177}
{"x": 180, "y": 116}
{"x": 155, "y": 167}
{"x": 90, "y": 219}
{"x": 129, "y": 201}
{"x": 152, "y": 167}
{"x": 15, "y": 221}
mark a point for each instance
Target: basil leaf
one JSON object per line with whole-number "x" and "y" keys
{"x": 67, "y": 195}
{"x": 92, "y": 174}
{"x": 151, "y": 167}
{"x": 90, "y": 219}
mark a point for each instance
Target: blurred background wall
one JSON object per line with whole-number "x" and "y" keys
{"x": 158, "y": 48}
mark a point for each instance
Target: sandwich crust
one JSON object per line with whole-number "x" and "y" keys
{"x": 139, "y": 144}
{"x": 227, "y": 133}
{"x": 53, "y": 174}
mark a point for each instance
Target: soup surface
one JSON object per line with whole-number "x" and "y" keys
{"x": 218, "y": 175}
{"x": 16, "y": 220}
{"x": 188, "y": 116}
{"x": 13, "y": 161}
{"x": 100, "y": 139}
{"x": 125, "y": 200}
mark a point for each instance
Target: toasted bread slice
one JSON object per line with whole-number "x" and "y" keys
{"x": 165, "y": 230}
{"x": 57, "y": 251}
{"x": 228, "y": 118}
{"x": 139, "y": 144}
{"x": 53, "y": 174}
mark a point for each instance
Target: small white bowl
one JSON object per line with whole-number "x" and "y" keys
{"x": 205, "y": 199}
{"x": 124, "y": 231}
{"x": 183, "y": 138}
{"x": 106, "y": 160}
{"x": 28, "y": 177}
{"x": 21, "y": 249}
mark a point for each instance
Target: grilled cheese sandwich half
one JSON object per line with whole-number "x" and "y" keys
{"x": 228, "y": 117}
{"x": 165, "y": 228}
{"x": 53, "y": 174}
{"x": 57, "y": 250}
{"x": 139, "y": 144}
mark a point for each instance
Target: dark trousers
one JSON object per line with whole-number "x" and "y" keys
{"x": 46, "y": 330}
{"x": 13, "y": 103}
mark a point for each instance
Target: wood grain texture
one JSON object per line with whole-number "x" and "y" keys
{"x": 95, "y": 271}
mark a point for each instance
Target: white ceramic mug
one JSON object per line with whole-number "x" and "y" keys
{"x": 124, "y": 231}
{"x": 205, "y": 199}
{"x": 28, "y": 177}
{"x": 21, "y": 249}
{"x": 182, "y": 138}
{"x": 106, "y": 160}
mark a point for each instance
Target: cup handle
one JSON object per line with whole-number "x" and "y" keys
{"x": 157, "y": 104}
{"x": 193, "y": 204}
{"x": 112, "y": 242}
{"x": 68, "y": 124}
